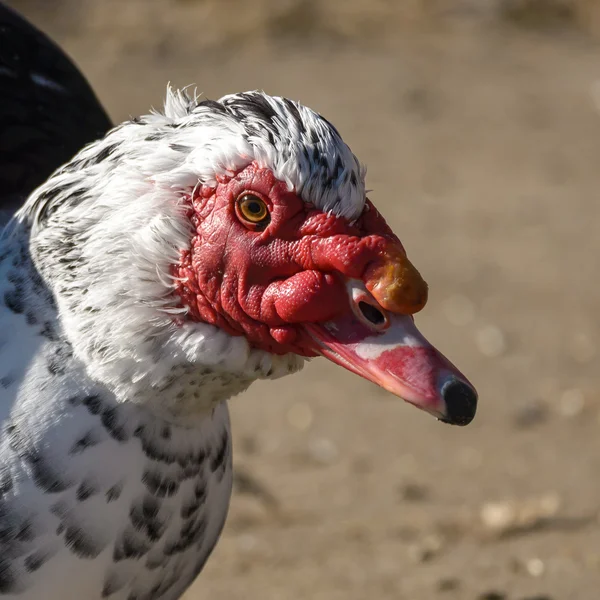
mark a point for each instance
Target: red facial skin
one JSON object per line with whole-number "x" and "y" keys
{"x": 264, "y": 284}
{"x": 297, "y": 284}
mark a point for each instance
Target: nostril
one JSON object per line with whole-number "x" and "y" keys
{"x": 371, "y": 314}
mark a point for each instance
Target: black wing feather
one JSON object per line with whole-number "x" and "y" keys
{"x": 48, "y": 111}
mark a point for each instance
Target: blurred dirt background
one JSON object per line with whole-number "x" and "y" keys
{"x": 479, "y": 124}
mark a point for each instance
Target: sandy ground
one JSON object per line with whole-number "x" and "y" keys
{"x": 482, "y": 140}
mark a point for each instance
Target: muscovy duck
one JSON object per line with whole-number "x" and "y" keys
{"x": 158, "y": 272}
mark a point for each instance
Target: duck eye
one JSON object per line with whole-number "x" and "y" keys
{"x": 252, "y": 209}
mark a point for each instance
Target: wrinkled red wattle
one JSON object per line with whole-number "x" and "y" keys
{"x": 263, "y": 285}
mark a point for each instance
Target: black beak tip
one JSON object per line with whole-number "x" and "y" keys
{"x": 461, "y": 402}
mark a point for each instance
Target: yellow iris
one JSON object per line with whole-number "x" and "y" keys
{"x": 252, "y": 208}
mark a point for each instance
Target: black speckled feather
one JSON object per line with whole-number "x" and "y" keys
{"x": 118, "y": 504}
{"x": 47, "y": 110}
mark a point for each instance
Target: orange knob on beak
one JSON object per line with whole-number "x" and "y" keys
{"x": 395, "y": 283}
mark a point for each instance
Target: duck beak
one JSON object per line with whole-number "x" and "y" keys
{"x": 400, "y": 360}
{"x": 377, "y": 339}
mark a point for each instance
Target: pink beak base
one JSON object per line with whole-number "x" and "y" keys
{"x": 400, "y": 360}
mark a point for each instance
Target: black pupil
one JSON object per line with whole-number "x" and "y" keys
{"x": 371, "y": 313}
{"x": 254, "y": 207}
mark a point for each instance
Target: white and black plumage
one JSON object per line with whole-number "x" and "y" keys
{"x": 48, "y": 113}
{"x": 158, "y": 273}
